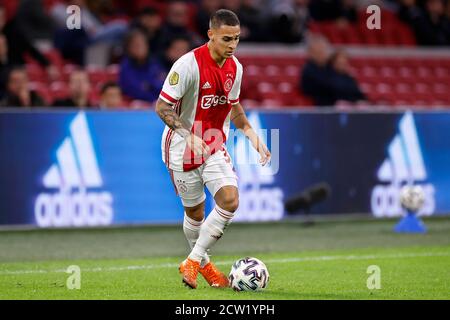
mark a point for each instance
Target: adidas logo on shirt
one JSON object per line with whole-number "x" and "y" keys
{"x": 74, "y": 172}
{"x": 206, "y": 85}
{"x": 404, "y": 165}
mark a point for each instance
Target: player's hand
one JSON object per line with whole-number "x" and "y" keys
{"x": 263, "y": 152}
{"x": 197, "y": 145}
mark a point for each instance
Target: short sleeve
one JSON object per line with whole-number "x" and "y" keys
{"x": 177, "y": 81}
{"x": 233, "y": 96}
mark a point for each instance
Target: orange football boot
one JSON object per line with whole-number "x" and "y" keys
{"x": 212, "y": 275}
{"x": 189, "y": 268}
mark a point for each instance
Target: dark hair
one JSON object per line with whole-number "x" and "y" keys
{"x": 223, "y": 17}
{"x": 107, "y": 85}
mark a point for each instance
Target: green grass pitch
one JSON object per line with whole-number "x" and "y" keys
{"x": 328, "y": 260}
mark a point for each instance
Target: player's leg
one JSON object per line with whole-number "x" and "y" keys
{"x": 227, "y": 198}
{"x": 190, "y": 188}
{"x": 221, "y": 181}
{"x": 227, "y": 201}
{"x": 212, "y": 229}
{"x": 193, "y": 219}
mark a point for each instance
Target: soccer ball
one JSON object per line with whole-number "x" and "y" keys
{"x": 412, "y": 197}
{"x": 248, "y": 274}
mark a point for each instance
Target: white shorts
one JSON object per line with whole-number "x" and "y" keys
{"x": 215, "y": 173}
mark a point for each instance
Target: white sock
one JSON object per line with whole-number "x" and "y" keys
{"x": 191, "y": 230}
{"x": 211, "y": 231}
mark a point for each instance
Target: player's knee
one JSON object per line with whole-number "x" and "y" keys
{"x": 197, "y": 213}
{"x": 230, "y": 203}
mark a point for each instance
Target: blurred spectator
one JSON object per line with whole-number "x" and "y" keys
{"x": 111, "y": 96}
{"x": 447, "y": 10}
{"x": 316, "y": 73}
{"x": 79, "y": 90}
{"x": 33, "y": 20}
{"x": 18, "y": 93}
{"x": 408, "y": 11}
{"x": 94, "y": 34}
{"x": 327, "y": 78}
{"x": 344, "y": 86}
{"x": 341, "y": 11}
{"x": 178, "y": 23}
{"x": 5, "y": 66}
{"x": 348, "y": 12}
{"x": 149, "y": 21}
{"x": 140, "y": 77}
{"x": 434, "y": 26}
{"x": 289, "y": 20}
{"x": 103, "y": 9}
{"x": 177, "y": 47}
{"x": 253, "y": 23}
{"x": 206, "y": 9}
{"x": 431, "y": 25}
{"x": 322, "y": 10}
{"x": 19, "y": 44}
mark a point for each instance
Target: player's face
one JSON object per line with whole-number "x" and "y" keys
{"x": 225, "y": 39}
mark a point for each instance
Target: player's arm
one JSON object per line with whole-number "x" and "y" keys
{"x": 174, "y": 122}
{"x": 241, "y": 122}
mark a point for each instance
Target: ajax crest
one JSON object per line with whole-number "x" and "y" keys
{"x": 228, "y": 84}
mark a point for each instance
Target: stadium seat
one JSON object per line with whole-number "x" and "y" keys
{"x": 10, "y": 8}
{"x": 55, "y": 57}
{"x": 96, "y": 75}
{"x": 59, "y": 90}
{"x": 112, "y": 72}
{"x": 394, "y": 32}
{"x": 387, "y": 80}
{"x": 36, "y": 72}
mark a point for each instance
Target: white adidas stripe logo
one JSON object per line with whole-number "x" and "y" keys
{"x": 206, "y": 85}
{"x": 76, "y": 161}
{"x": 405, "y": 161}
{"x": 75, "y": 170}
{"x": 404, "y": 165}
